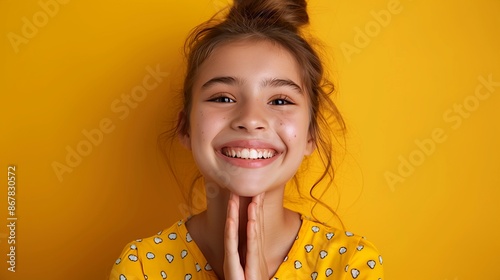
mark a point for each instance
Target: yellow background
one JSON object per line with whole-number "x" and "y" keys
{"x": 397, "y": 87}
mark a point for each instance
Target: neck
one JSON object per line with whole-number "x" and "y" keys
{"x": 275, "y": 215}
{"x": 280, "y": 228}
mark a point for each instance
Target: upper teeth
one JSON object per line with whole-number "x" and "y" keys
{"x": 248, "y": 153}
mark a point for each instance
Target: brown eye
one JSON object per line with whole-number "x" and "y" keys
{"x": 222, "y": 99}
{"x": 281, "y": 101}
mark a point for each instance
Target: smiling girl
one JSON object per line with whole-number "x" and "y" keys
{"x": 255, "y": 105}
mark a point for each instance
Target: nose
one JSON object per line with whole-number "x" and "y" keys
{"x": 250, "y": 116}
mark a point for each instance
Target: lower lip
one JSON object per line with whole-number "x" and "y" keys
{"x": 247, "y": 163}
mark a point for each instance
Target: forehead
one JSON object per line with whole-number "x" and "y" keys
{"x": 251, "y": 60}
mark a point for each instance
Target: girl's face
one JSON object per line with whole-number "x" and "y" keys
{"x": 249, "y": 123}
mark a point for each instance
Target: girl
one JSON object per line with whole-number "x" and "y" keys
{"x": 254, "y": 103}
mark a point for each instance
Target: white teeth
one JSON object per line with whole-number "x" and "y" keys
{"x": 245, "y": 153}
{"x": 248, "y": 153}
{"x": 254, "y": 154}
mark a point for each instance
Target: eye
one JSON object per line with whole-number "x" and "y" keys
{"x": 281, "y": 100}
{"x": 221, "y": 99}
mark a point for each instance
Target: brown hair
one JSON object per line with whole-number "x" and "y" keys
{"x": 280, "y": 22}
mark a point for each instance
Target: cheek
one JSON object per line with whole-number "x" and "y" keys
{"x": 205, "y": 125}
{"x": 293, "y": 130}
{"x": 198, "y": 125}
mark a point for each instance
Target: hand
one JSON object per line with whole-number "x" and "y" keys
{"x": 255, "y": 264}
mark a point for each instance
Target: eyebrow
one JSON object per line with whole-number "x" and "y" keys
{"x": 281, "y": 83}
{"x": 272, "y": 82}
{"x": 221, "y": 80}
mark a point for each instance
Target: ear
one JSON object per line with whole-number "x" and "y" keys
{"x": 183, "y": 133}
{"x": 310, "y": 145}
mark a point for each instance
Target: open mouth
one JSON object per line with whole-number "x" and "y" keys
{"x": 245, "y": 153}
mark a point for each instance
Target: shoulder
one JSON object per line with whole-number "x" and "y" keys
{"x": 170, "y": 252}
{"x": 328, "y": 237}
{"x": 140, "y": 248}
{"x": 323, "y": 251}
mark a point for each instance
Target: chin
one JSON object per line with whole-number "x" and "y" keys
{"x": 250, "y": 189}
{"x": 245, "y": 193}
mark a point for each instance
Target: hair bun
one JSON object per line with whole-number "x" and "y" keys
{"x": 291, "y": 14}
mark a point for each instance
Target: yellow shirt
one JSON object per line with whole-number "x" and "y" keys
{"x": 319, "y": 252}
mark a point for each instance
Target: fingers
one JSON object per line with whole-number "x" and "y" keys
{"x": 260, "y": 215}
{"x": 256, "y": 266}
{"x": 255, "y": 262}
{"x": 256, "y": 213}
{"x": 232, "y": 265}
{"x": 231, "y": 231}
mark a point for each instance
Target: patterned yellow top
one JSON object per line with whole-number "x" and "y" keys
{"x": 319, "y": 252}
